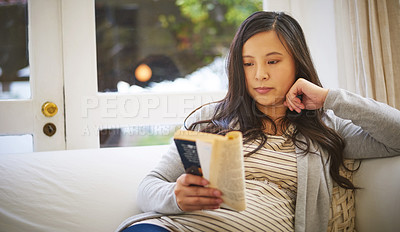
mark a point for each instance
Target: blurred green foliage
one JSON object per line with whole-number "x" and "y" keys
{"x": 208, "y": 26}
{"x": 234, "y": 11}
{"x": 154, "y": 138}
{"x": 150, "y": 140}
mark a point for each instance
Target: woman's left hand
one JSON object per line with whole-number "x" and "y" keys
{"x": 313, "y": 96}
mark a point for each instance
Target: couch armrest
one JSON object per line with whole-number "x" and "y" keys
{"x": 378, "y": 203}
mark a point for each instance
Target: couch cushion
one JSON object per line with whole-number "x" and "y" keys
{"x": 75, "y": 190}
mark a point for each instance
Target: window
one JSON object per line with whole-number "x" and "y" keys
{"x": 164, "y": 47}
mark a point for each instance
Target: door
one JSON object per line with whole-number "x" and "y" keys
{"x": 38, "y": 119}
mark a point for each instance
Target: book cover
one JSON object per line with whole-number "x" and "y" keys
{"x": 189, "y": 156}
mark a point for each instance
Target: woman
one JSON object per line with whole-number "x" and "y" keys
{"x": 296, "y": 135}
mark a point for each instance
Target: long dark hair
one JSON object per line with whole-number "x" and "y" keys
{"x": 238, "y": 111}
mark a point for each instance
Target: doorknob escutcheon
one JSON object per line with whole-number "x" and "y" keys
{"x": 49, "y": 109}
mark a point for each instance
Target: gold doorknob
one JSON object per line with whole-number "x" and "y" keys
{"x": 49, "y": 109}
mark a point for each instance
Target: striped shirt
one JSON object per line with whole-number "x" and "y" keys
{"x": 271, "y": 183}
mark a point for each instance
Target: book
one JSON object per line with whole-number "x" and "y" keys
{"x": 217, "y": 158}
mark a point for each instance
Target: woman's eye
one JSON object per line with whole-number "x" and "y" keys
{"x": 248, "y": 64}
{"x": 273, "y": 62}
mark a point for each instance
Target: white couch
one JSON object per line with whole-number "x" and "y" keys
{"x": 95, "y": 190}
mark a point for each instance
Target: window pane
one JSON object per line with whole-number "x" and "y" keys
{"x": 181, "y": 43}
{"x": 137, "y": 136}
{"x": 14, "y": 64}
{"x": 16, "y": 144}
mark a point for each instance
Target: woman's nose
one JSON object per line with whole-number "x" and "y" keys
{"x": 262, "y": 73}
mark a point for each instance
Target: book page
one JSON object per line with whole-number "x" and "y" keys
{"x": 204, "y": 151}
{"x": 227, "y": 170}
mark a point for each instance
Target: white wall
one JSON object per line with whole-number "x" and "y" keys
{"x": 317, "y": 19}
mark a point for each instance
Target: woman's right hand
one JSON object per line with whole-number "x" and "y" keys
{"x": 313, "y": 96}
{"x": 191, "y": 193}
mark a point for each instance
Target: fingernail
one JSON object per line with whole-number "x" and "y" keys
{"x": 204, "y": 182}
{"x": 217, "y": 193}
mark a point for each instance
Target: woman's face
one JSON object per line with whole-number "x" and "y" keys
{"x": 269, "y": 69}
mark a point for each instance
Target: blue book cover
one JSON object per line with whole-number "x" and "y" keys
{"x": 189, "y": 156}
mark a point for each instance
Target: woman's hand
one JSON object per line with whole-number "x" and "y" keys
{"x": 312, "y": 96}
{"x": 192, "y": 195}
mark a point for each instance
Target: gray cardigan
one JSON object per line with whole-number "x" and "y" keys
{"x": 369, "y": 128}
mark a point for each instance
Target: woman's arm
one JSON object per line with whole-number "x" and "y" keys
{"x": 167, "y": 189}
{"x": 156, "y": 191}
{"x": 369, "y": 128}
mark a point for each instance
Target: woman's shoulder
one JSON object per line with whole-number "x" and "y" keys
{"x": 204, "y": 112}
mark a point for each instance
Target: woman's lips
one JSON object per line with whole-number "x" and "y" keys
{"x": 263, "y": 90}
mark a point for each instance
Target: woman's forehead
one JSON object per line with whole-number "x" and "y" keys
{"x": 265, "y": 43}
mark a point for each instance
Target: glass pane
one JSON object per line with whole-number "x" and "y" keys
{"x": 14, "y": 64}
{"x": 168, "y": 45}
{"x": 16, "y": 144}
{"x": 137, "y": 136}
